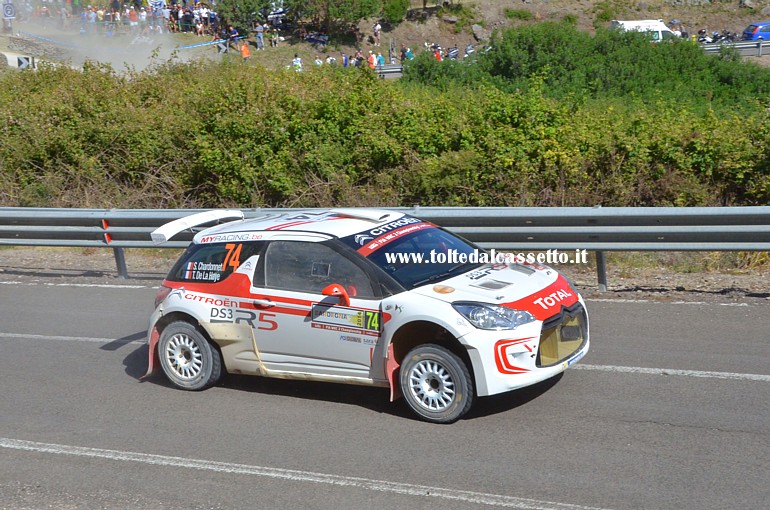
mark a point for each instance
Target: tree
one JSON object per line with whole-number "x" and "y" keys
{"x": 244, "y": 13}
{"x": 330, "y": 15}
{"x": 395, "y": 10}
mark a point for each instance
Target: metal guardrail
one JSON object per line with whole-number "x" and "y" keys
{"x": 746, "y": 48}
{"x": 597, "y": 229}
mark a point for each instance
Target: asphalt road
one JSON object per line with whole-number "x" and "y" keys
{"x": 669, "y": 410}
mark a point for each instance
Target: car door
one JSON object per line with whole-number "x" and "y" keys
{"x": 301, "y": 330}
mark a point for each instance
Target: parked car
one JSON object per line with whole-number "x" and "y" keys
{"x": 360, "y": 296}
{"x": 655, "y": 29}
{"x": 755, "y": 31}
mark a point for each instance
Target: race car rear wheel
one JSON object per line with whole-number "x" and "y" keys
{"x": 436, "y": 384}
{"x": 188, "y": 359}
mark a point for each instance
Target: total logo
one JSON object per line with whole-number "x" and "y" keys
{"x": 547, "y": 302}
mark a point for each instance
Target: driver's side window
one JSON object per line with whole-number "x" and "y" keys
{"x": 309, "y": 267}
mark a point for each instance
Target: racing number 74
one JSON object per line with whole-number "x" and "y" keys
{"x": 233, "y": 257}
{"x": 372, "y": 320}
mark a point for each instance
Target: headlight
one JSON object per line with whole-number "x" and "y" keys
{"x": 486, "y": 316}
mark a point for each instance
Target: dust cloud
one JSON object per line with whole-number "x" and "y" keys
{"x": 121, "y": 47}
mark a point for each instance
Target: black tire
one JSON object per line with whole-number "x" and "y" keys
{"x": 189, "y": 361}
{"x": 436, "y": 384}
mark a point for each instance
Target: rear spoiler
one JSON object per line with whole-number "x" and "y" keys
{"x": 365, "y": 214}
{"x": 165, "y": 232}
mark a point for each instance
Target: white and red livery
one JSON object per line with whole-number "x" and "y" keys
{"x": 340, "y": 295}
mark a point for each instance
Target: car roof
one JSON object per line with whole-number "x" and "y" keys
{"x": 315, "y": 222}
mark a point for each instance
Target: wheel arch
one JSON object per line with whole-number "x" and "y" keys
{"x": 162, "y": 323}
{"x": 419, "y": 332}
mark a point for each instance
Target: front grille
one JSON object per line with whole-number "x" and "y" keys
{"x": 562, "y": 336}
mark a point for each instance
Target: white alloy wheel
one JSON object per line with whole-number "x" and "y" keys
{"x": 436, "y": 384}
{"x": 188, "y": 359}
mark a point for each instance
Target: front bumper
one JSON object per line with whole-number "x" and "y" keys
{"x": 529, "y": 354}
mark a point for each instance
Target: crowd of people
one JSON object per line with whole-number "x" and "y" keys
{"x": 149, "y": 17}
{"x": 133, "y": 16}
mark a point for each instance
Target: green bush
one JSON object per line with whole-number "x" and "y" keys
{"x": 520, "y": 14}
{"x": 395, "y": 11}
{"x": 448, "y": 133}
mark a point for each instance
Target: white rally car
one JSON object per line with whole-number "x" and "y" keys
{"x": 341, "y": 295}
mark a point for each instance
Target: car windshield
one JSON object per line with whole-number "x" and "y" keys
{"x": 425, "y": 256}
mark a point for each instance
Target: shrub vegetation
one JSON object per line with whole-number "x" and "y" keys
{"x": 548, "y": 117}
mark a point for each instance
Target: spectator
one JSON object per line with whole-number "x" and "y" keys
{"x": 372, "y": 60}
{"x": 203, "y": 14}
{"x": 345, "y": 60}
{"x": 232, "y": 37}
{"x": 377, "y": 28}
{"x": 64, "y": 16}
{"x": 133, "y": 19}
{"x": 409, "y": 54}
{"x": 380, "y": 60}
{"x": 245, "y": 51}
{"x": 260, "y": 30}
{"x": 274, "y": 37}
{"x": 297, "y": 63}
{"x": 318, "y": 60}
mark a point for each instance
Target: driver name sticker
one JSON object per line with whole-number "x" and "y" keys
{"x": 202, "y": 271}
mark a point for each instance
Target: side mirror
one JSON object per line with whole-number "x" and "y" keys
{"x": 337, "y": 290}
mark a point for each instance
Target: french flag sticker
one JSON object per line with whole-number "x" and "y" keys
{"x": 188, "y": 274}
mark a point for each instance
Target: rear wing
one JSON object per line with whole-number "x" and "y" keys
{"x": 165, "y": 232}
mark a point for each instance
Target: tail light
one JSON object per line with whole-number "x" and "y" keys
{"x": 162, "y": 294}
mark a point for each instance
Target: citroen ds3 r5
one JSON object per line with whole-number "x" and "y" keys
{"x": 349, "y": 295}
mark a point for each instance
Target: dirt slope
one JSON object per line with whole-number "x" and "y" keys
{"x": 432, "y": 25}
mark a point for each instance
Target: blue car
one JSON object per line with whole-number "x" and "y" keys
{"x": 757, "y": 31}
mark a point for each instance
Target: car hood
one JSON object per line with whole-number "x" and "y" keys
{"x": 540, "y": 290}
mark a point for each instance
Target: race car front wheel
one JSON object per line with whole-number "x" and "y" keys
{"x": 436, "y": 384}
{"x": 188, "y": 359}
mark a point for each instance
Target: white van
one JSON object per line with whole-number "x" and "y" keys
{"x": 656, "y": 28}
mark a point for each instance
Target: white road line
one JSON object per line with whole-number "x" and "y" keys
{"x": 659, "y": 302}
{"x": 25, "y": 336}
{"x": 479, "y": 498}
{"x": 673, "y": 371}
{"x": 579, "y": 366}
{"x": 101, "y": 285}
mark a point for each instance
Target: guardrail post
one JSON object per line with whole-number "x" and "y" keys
{"x": 120, "y": 261}
{"x": 759, "y": 48}
{"x": 601, "y": 271}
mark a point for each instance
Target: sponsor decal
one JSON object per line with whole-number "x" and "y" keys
{"x": 340, "y": 318}
{"x": 358, "y": 340}
{"x": 443, "y": 289}
{"x": 388, "y": 234}
{"x": 208, "y": 300}
{"x": 548, "y": 301}
{"x": 393, "y": 225}
{"x": 222, "y": 238}
{"x": 482, "y": 272}
{"x": 264, "y": 321}
{"x": 361, "y": 239}
{"x": 574, "y": 359}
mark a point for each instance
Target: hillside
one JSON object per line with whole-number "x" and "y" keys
{"x": 447, "y": 26}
